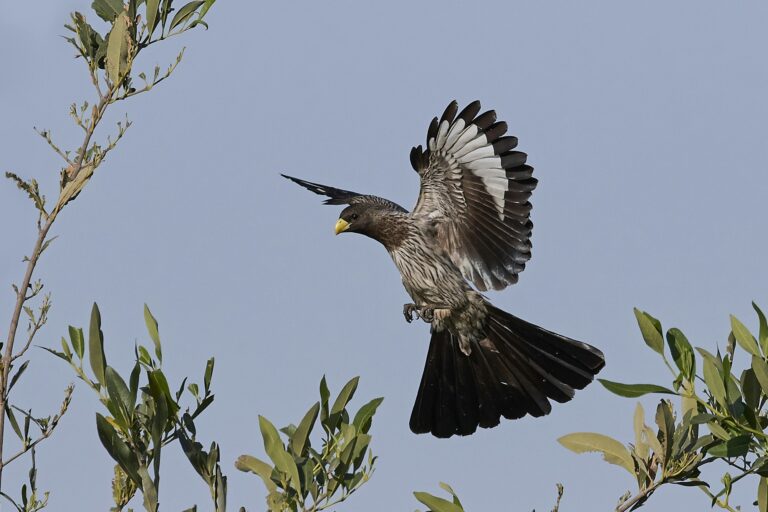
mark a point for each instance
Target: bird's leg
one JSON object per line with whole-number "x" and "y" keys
{"x": 409, "y": 311}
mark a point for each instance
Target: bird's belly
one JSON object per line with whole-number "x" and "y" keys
{"x": 430, "y": 279}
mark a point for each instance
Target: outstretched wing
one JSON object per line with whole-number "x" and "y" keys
{"x": 339, "y": 196}
{"x": 476, "y": 189}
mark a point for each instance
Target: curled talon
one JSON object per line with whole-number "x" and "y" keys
{"x": 409, "y": 310}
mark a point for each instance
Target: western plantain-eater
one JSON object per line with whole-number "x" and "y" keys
{"x": 469, "y": 232}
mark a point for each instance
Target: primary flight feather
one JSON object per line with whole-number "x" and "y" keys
{"x": 470, "y": 226}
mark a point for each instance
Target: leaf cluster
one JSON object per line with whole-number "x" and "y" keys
{"x": 722, "y": 416}
{"x": 307, "y": 476}
{"x": 143, "y": 414}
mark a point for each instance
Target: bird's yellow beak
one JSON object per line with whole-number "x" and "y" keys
{"x": 341, "y": 226}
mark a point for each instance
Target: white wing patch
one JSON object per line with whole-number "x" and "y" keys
{"x": 476, "y": 154}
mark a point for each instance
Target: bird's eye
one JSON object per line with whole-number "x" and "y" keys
{"x": 353, "y": 216}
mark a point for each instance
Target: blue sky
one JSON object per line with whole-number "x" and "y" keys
{"x": 645, "y": 122}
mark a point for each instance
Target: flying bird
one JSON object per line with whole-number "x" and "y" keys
{"x": 469, "y": 232}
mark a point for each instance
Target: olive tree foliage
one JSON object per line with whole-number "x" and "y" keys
{"x": 719, "y": 418}
{"x": 143, "y": 414}
{"x": 110, "y": 56}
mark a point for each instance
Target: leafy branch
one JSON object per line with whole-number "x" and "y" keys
{"x": 730, "y": 407}
{"x": 110, "y": 59}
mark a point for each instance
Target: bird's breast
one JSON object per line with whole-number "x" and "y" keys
{"x": 428, "y": 276}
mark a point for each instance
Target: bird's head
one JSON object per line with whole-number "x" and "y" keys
{"x": 356, "y": 218}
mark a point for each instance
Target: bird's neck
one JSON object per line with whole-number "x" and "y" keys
{"x": 391, "y": 230}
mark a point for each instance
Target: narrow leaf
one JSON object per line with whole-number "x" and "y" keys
{"x": 682, "y": 353}
{"x": 153, "y": 332}
{"x": 651, "y": 334}
{"x": 735, "y": 447}
{"x": 436, "y": 504}
{"x": 744, "y": 337}
{"x": 363, "y": 417}
{"x": 763, "y": 333}
{"x": 613, "y": 451}
{"x": 96, "y": 345}
{"x": 760, "y": 367}
{"x": 118, "y": 49}
{"x": 633, "y": 390}
{"x": 78, "y": 341}
{"x": 153, "y": 10}
{"x": 185, "y": 13}
{"x": 300, "y": 437}
{"x": 345, "y": 395}
{"x": 259, "y": 467}
{"x": 276, "y": 451}
{"x": 714, "y": 381}
{"x": 107, "y": 9}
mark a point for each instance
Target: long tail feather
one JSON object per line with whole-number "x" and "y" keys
{"x": 516, "y": 370}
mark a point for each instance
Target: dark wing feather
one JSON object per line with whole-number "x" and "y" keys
{"x": 340, "y": 196}
{"x": 475, "y": 188}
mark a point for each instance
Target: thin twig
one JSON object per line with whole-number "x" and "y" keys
{"x": 644, "y": 494}
{"x": 46, "y": 433}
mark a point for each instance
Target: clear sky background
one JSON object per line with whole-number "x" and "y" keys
{"x": 645, "y": 122}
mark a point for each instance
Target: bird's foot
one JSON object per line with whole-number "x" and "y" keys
{"x": 409, "y": 311}
{"x": 431, "y": 312}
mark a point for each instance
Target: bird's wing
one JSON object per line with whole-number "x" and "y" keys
{"x": 476, "y": 189}
{"x": 339, "y": 196}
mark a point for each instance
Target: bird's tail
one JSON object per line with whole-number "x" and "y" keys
{"x": 514, "y": 371}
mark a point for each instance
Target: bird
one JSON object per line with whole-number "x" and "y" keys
{"x": 469, "y": 232}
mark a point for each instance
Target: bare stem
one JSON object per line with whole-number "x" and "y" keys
{"x": 21, "y": 293}
{"x": 644, "y": 494}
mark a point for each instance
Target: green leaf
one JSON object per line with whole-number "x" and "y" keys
{"x": 436, "y": 504}
{"x": 276, "y": 451}
{"x": 762, "y": 495}
{"x": 185, "y": 13}
{"x": 613, "y": 451}
{"x": 143, "y": 356}
{"x": 750, "y": 388}
{"x": 714, "y": 381}
{"x": 682, "y": 353}
{"x": 447, "y": 488}
{"x": 633, "y": 390}
{"x": 148, "y": 490}
{"x": 107, "y": 9}
{"x": 120, "y": 396}
{"x": 96, "y": 345}
{"x": 735, "y": 447}
{"x": 299, "y": 438}
{"x": 14, "y": 423}
{"x": 325, "y": 394}
{"x": 153, "y": 9}
{"x": 665, "y": 420}
{"x": 208, "y": 375}
{"x": 119, "y": 49}
{"x": 641, "y": 445}
{"x": 153, "y": 332}
{"x": 117, "y": 449}
{"x": 763, "y": 334}
{"x": 259, "y": 467}
{"x": 760, "y": 367}
{"x": 18, "y": 374}
{"x": 159, "y": 422}
{"x": 77, "y": 339}
{"x": 345, "y": 395}
{"x": 650, "y": 330}
{"x": 363, "y": 417}
{"x": 744, "y": 337}
{"x": 158, "y": 388}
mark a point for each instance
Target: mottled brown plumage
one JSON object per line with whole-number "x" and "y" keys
{"x": 470, "y": 226}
